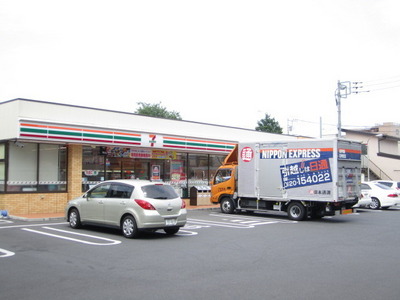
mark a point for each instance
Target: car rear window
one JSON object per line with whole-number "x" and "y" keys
{"x": 159, "y": 191}
{"x": 382, "y": 186}
{"x": 385, "y": 183}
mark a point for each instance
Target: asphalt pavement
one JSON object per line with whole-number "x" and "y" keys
{"x": 215, "y": 256}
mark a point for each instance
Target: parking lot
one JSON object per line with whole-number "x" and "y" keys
{"x": 239, "y": 256}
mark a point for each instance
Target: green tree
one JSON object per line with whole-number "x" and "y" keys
{"x": 269, "y": 124}
{"x": 156, "y": 110}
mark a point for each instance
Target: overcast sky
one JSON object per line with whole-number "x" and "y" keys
{"x": 225, "y": 62}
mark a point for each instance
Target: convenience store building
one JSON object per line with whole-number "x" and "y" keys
{"x": 51, "y": 152}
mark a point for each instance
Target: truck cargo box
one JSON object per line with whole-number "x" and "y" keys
{"x": 325, "y": 170}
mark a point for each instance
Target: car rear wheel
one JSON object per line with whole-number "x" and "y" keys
{"x": 171, "y": 230}
{"x": 74, "y": 219}
{"x": 129, "y": 228}
{"x": 375, "y": 204}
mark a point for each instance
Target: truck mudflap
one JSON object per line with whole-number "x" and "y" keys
{"x": 342, "y": 208}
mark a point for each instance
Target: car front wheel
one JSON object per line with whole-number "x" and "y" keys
{"x": 129, "y": 228}
{"x": 74, "y": 219}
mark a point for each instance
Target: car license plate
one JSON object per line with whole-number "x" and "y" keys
{"x": 170, "y": 222}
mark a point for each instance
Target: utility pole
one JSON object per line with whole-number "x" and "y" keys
{"x": 289, "y": 126}
{"x": 320, "y": 127}
{"x": 342, "y": 91}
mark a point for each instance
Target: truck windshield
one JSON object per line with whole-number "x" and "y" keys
{"x": 222, "y": 175}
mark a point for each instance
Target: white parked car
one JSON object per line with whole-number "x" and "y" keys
{"x": 364, "y": 200}
{"x": 130, "y": 205}
{"x": 392, "y": 184}
{"x": 382, "y": 196}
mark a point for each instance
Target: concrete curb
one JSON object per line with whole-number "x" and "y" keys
{"x": 28, "y": 219}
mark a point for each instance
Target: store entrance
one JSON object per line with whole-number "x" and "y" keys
{"x": 127, "y": 168}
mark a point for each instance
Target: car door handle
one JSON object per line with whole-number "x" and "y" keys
{"x": 123, "y": 202}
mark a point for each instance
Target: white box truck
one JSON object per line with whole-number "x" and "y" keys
{"x": 305, "y": 178}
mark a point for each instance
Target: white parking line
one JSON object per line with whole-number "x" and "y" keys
{"x": 219, "y": 224}
{"x": 186, "y": 233}
{"x": 5, "y": 221}
{"x": 5, "y": 253}
{"x": 250, "y": 219}
{"x": 30, "y": 225}
{"x": 109, "y": 241}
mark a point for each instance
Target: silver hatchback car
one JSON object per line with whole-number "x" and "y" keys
{"x": 131, "y": 205}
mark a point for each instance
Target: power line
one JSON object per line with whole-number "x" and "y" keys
{"x": 382, "y": 79}
{"x": 357, "y": 87}
{"x": 325, "y": 124}
{"x": 380, "y": 83}
{"x": 346, "y": 88}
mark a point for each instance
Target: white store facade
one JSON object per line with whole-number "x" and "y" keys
{"x": 51, "y": 152}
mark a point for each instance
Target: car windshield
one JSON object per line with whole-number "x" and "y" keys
{"x": 159, "y": 191}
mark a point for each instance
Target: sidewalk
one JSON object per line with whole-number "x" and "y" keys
{"x": 61, "y": 216}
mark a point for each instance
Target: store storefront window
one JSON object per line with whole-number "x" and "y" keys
{"x": 127, "y": 168}
{"x": 215, "y": 162}
{"x": 93, "y": 159}
{"x": 52, "y": 168}
{"x": 36, "y": 167}
{"x": 202, "y": 168}
{"x": 175, "y": 174}
{"x": 181, "y": 170}
{"x": 198, "y": 169}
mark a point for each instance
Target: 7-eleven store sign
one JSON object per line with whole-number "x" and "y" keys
{"x": 152, "y": 140}
{"x": 43, "y": 131}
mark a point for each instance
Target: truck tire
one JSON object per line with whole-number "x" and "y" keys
{"x": 227, "y": 206}
{"x": 317, "y": 213}
{"x": 296, "y": 211}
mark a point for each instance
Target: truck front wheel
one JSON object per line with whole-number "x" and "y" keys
{"x": 296, "y": 211}
{"x": 227, "y": 206}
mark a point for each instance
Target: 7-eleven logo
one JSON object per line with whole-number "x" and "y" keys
{"x": 152, "y": 140}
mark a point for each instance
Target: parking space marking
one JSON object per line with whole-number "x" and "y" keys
{"x": 218, "y": 224}
{"x": 108, "y": 242}
{"x": 242, "y": 222}
{"x": 5, "y": 253}
{"x": 186, "y": 233}
{"x": 255, "y": 220}
{"x": 30, "y": 225}
{"x": 5, "y": 222}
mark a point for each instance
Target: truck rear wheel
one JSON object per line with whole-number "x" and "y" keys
{"x": 227, "y": 206}
{"x": 296, "y": 211}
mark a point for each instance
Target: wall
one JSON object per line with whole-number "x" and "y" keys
{"x": 85, "y": 116}
{"x": 32, "y": 203}
{"x": 19, "y": 204}
{"x": 389, "y": 166}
